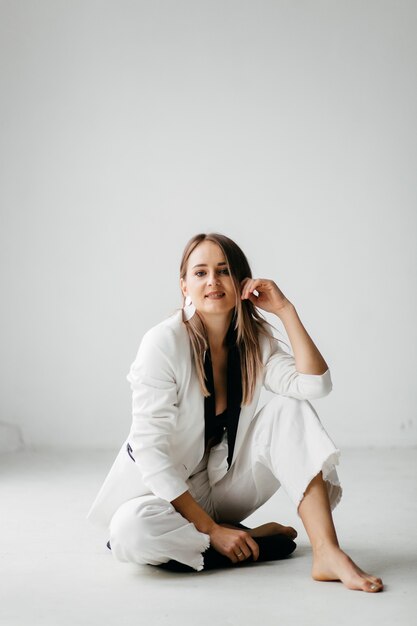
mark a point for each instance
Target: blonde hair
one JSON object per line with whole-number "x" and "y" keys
{"x": 247, "y": 320}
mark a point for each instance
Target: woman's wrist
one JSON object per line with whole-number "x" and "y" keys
{"x": 193, "y": 512}
{"x": 209, "y": 527}
{"x": 287, "y": 310}
{"x": 202, "y": 521}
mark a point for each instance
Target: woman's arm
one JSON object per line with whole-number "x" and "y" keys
{"x": 288, "y": 375}
{"x": 308, "y": 359}
{"x": 227, "y": 541}
{"x": 188, "y": 507}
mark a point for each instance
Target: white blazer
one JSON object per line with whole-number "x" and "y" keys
{"x": 166, "y": 438}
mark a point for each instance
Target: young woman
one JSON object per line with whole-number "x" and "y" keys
{"x": 199, "y": 459}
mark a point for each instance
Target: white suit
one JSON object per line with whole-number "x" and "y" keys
{"x": 284, "y": 443}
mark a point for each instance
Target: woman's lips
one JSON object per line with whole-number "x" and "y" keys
{"x": 217, "y": 296}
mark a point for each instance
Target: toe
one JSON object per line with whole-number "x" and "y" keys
{"x": 373, "y": 586}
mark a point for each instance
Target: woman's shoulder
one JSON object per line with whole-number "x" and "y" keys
{"x": 161, "y": 345}
{"x": 169, "y": 335}
{"x": 169, "y": 326}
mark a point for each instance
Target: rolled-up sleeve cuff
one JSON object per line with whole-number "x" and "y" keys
{"x": 315, "y": 385}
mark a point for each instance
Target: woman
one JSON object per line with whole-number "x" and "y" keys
{"x": 198, "y": 459}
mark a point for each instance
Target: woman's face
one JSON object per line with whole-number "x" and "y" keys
{"x": 207, "y": 272}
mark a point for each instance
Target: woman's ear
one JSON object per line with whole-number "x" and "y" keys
{"x": 183, "y": 287}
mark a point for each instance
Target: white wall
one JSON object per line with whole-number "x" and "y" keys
{"x": 127, "y": 127}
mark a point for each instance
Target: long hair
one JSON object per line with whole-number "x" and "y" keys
{"x": 247, "y": 321}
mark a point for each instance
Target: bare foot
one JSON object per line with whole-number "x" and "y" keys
{"x": 331, "y": 563}
{"x": 273, "y": 528}
{"x": 270, "y": 528}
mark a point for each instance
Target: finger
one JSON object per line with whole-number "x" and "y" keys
{"x": 247, "y": 552}
{"x": 247, "y": 288}
{"x": 252, "y": 296}
{"x": 239, "y": 554}
{"x": 232, "y": 556}
{"x": 254, "y": 547}
{"x": 253, "y": 286}
{"x": 243, "y": 285}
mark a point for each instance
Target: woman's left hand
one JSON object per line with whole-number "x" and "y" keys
{"x": 270, "y": 297}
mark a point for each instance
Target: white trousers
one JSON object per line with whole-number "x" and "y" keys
{"x": 285, "y": 445}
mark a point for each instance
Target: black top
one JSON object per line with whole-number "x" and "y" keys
{"x": 229, "y": 419}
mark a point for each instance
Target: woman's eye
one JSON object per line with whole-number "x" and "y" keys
{"x": 202, "y": 271}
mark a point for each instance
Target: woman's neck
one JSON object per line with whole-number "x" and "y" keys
{"x": 217, "y": 327}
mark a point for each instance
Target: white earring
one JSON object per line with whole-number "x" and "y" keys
{"x": 188, "y": 308}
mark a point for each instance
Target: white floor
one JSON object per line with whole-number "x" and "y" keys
{"x": 56, "y": 569}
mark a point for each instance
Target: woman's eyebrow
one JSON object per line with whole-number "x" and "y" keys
{"x": 205, "y": 264}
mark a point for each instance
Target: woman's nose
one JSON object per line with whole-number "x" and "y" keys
{"x": 213, "y": 280}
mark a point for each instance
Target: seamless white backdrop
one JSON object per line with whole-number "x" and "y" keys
{"x": 127, "y": 127}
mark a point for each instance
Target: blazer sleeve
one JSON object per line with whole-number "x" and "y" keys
{"x": 155, "y": 413}
{"x": 281, "y": 376}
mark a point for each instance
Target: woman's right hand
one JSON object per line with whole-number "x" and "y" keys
{"x": 228, "y": 541}
{"x": 232, "y": 543}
